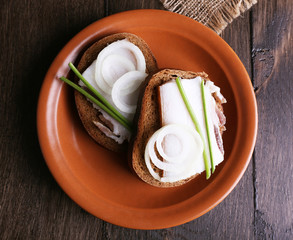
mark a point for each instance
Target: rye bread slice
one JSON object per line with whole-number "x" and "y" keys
{"x": 87, "y": 113}
{"x": 148, "y": 121}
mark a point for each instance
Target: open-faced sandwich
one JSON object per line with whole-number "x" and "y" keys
{"x": 179, "y": 129}
{"x": 175, "y": 118}
{"x": 115, "y": 66}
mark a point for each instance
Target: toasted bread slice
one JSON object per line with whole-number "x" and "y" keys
{"x": 148, "y": 121}
{"x": 90, "y": 115}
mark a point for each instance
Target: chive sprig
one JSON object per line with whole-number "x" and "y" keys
{"x": 99, "y": 100}
{"x": 196, "y": 124}
{"x": 207, "y": 125}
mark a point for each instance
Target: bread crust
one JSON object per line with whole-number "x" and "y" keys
{"x": 148, "y": 122}
{"x": 86, "y": 112}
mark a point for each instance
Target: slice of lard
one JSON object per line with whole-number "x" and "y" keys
{"x": 115, "y": 61}
{"x": 120, "y": 133}
{"x": 174, "y": 111}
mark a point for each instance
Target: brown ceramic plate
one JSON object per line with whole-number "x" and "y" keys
{"x": 99, "y": 180}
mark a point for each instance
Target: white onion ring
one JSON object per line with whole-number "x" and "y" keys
{"x": 114, "y": 48}
{"x": 166, "y": 165}
{"x": 179, "y": 134}
{"x": 102, "y": 84}
{"x": 126, "y": 85}
{"x": 148, "y": 164}
{"x": 113, "y": 61}
{"x": 182, "y": 168}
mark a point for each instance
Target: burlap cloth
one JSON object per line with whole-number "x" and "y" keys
{"x": 215, "y": 14}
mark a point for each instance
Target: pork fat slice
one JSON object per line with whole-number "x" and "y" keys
{"x": 174, "y": 111}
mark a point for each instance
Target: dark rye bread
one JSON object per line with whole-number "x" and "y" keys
{"x": 86, "y": 112}
{"x": 148, "y": 122}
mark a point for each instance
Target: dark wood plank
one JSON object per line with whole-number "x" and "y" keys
{"x": 32, "y": 206}
{"x": 125, "y": 5}
{"x": 273, "y": 60}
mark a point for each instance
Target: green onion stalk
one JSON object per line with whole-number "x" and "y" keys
{"x": 196, "y": 124}
{"x": 99, "y": 100}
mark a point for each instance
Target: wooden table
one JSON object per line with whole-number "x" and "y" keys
{"x": 33, "y": 206}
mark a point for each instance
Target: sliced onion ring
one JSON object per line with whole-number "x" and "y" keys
{"x": 181, "y": 169}
{"x": 114, "y": 48}
{"x": 181, "y": 135}
{"x": 126, "y": 85}
{"x": 115, "y": 62}
{"x": 148, "y": 164}
{"x": 100, "y": 80}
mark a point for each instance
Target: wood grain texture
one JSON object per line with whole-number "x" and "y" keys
{"x": 273, "y": 76}
{"x": 32, "y": 205}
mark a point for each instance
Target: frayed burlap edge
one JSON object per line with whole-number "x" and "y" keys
{"x": 215, "y": 14}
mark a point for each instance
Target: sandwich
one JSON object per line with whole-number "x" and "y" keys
{"x": 168, "y": 149}
{"x": 178, "y": 114}
{"x": 116, "y": 66}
